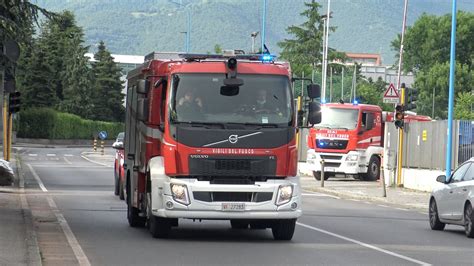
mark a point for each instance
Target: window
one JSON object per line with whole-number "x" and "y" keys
{"x": 469, "y": 174}
{"x": 337, "y": 118}
{"x": 459, "y": 173}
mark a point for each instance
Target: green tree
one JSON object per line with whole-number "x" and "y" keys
{"x": 427, "y": 42}
{"x": 464, "y": 108}
{"x": 435, "y": 82}
{"x": 108, "y": 96}
{"x": 306, "y": 47}
{"x": 218, "y": 49}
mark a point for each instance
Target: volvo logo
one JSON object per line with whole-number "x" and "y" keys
{"x": 233, "y": 139}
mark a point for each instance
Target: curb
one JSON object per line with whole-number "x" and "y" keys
{"x": 34, "y": 255}
{"x": 345, "y": 195}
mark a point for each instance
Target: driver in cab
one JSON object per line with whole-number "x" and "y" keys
{"x": 262, "y": 104}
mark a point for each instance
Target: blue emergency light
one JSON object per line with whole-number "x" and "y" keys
{"x": 267, "y": 58}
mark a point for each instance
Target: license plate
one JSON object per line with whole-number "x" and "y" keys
{"x": 329, "y": 169}
{"x": 233, "y": 207}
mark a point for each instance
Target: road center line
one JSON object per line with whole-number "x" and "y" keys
{"x": 363, "y": 244}
{"x": 71, "y": 239}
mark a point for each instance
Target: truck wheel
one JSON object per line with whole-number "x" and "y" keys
{"x": 121, "y": 191}
{"x": 134, "y": 220}
{"x": 317, "y": 175}
{"x": 239, "y": 224}
{"x": 435, "y": 223}
{"x": 159, "y": 227}
{"x": 284, "y": 229}
{"x": 116, "y": 179}
{"x": 373, "y": 169}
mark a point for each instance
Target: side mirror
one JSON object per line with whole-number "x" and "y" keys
{"x": 142, "y": 109}
{"x": 441, "y": 179}
{"x": 118, "y": 145}
{"x": 143, "y": 86}
{"x": 314, "y": 113}
{"x": 314, "y": 91}
{"x": 369, "y": 121}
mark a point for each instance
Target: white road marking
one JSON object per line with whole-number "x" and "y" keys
{"x": 401, "y": 209}
{"x": 71, "y": 239}
{"x": 51, "y": 154}
{"x": 92, "y": 161}
{"x": 425, "y": 213}
{"x": 320, "y": 195}
{"x": 363, "y": 244}
{"x": 35, "y": 175}
{"x": 67, "y": 161}
{"x": 68, "y": 155}
{"x": 32, "y": 154}
{"x": 385, "y": 206}
{"x": 354, "y": 200}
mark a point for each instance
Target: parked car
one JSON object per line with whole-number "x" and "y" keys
{"x": 452, "y": 202}
{"x": 119, "y": 177}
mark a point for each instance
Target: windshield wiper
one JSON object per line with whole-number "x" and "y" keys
{"x": 200, "y": 124}
{"x": 261, "y": 125}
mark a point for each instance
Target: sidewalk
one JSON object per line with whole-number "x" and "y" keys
{"x": 349, "y": 188}
{"x": 18, "y": 245}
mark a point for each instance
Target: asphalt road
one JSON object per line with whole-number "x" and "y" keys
{"x": 332, "y": 231}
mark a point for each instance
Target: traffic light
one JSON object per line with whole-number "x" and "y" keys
{"x": 399, "y": 116}
{"x": 411, "y": 96}
{"x": 14, "y": 102}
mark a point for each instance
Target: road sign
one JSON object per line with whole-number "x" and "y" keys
{"x": 391, "y": 95}
{"x": 103, "y": 135}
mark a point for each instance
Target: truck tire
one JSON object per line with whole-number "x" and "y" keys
{"x": 373, "y": 170}
{"x": 239, "y": 224}
{"x": 284, "y": 229}
{"x": 116, "y": 182}
{"x": 317, "y": 175}
{"x": 121, "y": 191}
{"x": 134, "y": 220}
{"x": 159, "y": 227}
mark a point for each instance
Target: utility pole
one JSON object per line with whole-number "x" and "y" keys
{"x": 452, "y": 67}
{"x": 324, "y": 54}
{"x": 254, "y": 35}
{"x": 342, "y": 84}
{"x": 326, "y": 50}
{"x": 402, "y": 97}
{"x": 264, "y": 17}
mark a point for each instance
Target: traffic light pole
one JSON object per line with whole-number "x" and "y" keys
{"x": 5, "y": 127}
{"x": 400, "y": 142}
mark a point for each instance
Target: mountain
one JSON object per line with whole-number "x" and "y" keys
{"x": 141, "y": 26}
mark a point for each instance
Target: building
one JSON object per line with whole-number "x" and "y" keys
{"x": 364, "y": 59}
{"x": 388, "y": 74}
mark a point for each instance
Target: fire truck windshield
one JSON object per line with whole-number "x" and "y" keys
{"x": 202, "y": 99}
{"x": 338, "y": 118}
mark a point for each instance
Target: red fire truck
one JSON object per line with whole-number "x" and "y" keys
{"x": 211, "y": 137}
{"x": 350, "y": 140}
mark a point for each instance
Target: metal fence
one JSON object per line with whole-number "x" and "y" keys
{"x": 424, "y": 144}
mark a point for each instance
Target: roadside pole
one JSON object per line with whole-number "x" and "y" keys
{"x": 402, "y": 95}
{"x": 452, "y": 67}
{"x": 382, "y": 177}
{"x": 322, "y": 172}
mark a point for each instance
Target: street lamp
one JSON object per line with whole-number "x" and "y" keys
{"x": 254, "y": 35}
{"x": 325, "y": 53}
{"x": 188, "y": 31}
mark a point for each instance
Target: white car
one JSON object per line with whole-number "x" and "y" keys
{"x": 452, "y": 202}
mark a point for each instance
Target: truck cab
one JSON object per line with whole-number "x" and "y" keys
{"x": 211, "y": 137}
{"x": 348, "y": 140}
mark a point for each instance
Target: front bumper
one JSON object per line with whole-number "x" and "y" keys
{"x": 198, "y": 209}
{"x": 334, "y": 162}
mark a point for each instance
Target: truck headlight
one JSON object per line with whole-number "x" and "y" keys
{"x": 285, "y": 192}
{"x": 352, "y": 157}
{"x": 180, "y": 193}
{"x": 310, "y": 156}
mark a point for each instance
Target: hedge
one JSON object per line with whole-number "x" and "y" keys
{"x": 47, "y": 123}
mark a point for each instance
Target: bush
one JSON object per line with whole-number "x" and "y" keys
{"x": 47, "y": 123}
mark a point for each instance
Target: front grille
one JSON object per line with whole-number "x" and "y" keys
{"x": 331, "y": 144}
{"x": 232, "y": 166}
{"x": 233, "y": 196}
{"x": 331, "y": 157}
{"x": 329, "y": 164}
